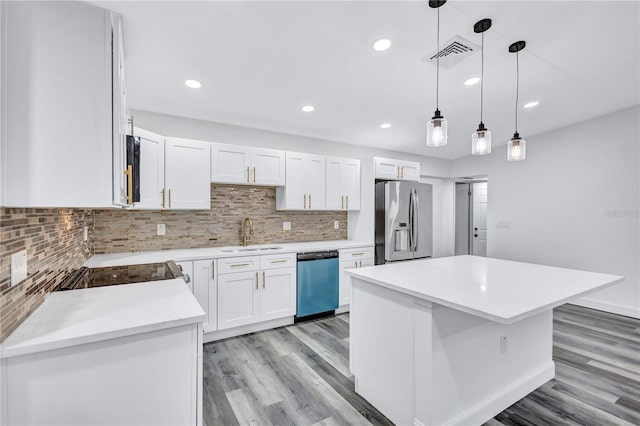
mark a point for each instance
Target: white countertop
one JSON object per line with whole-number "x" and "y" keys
{"x": 69, "y": 318}
{"x": 118, "y": 259}
{"x": 499, "y": 290}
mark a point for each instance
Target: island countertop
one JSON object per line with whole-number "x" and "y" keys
{"x": 499, "y": 290}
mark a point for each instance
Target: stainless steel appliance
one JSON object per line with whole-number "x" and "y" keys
{"x": 403, "y": 221}
{"x": 116, "y": 275}
{"x": 317, "y": 283}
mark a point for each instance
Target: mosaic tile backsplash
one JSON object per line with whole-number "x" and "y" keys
{"x": 118, "y": 231}
{"x": 54, "y": 242}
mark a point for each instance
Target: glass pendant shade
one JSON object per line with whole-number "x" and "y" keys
{"x": 437, "y": 131}
{"x": 481, "y": 141}
{"x": 517, "y": 148}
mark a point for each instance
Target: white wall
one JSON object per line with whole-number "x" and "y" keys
{"x": 360, "y": 223}
{"x": 572, "y": 203}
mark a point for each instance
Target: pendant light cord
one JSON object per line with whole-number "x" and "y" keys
{"x": 517, "y": 87}
{"x": 482, "y": 77}
{"x": 438, "y": 63}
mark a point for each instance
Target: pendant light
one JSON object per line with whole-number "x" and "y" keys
{"x": 517, "y": 147}
{"x": 437, "y": 126}
{"x": 481, "y": 138}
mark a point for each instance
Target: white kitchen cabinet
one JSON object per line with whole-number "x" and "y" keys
{"x": 58, "y": 104}
{"x": 265, "y": 289}
{"x": 350, "y": 259}
{"x": 247, "y": 165}
{"x": 392, "y": 169}
{"x": 187, "y": 174}
{"x": 205, "y": 289}
{"x": 187, "y": 270}
{"x": 305, "y": 183}
{"x": 342, "y": 184}
{"x": 151, "y": 170}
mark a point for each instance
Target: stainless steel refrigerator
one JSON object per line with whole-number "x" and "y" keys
{"x": 403, "y": 221}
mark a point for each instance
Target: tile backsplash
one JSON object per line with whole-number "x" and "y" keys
{"x": 122, "y": 231}
{"x": 55, "y": 245}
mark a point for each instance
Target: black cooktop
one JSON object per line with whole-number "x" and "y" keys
{"x": 116, "y": 275}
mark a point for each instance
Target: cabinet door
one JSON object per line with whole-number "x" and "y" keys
{"x": 238, "y": 299}
{"x": 386, "y": 168}
{"x": 350, "y": 182}
{"x": 277, "y": 293}
{"x": 151, "y": 170}
{"x": 345, "y": 284}
{"x": 334, "y": 190}
{"x": 268, "y": 167}
{"x": 205, "y": 291}
{"x": 230, "y": 163}
{"x": 410, "y": 170}
{"x": 295, "y": 189}
{"x": 187, "y": 270}
{"x": 315, "y": 181}
{"x": 187, "y": 174}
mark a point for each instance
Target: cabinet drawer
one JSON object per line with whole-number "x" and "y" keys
{"x": 273, "y": 261}
{"x": 238, "y": 264}
{"x": 356, "y": 253}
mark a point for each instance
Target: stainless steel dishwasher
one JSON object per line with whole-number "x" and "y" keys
{"x": 317, "y": 283}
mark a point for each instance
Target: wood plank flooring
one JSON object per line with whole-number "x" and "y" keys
{"x": 299, "y": 375}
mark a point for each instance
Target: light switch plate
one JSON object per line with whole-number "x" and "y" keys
{"x": 286, "y": 226}
{"x": 18, "y": 267}
{"x": 161, "y": 229}
{"x": 85, "y": 233}
{"x": 336, "y": 224}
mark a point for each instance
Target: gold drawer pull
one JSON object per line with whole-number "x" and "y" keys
{"x": 264, "y": 279}
{"x": 280, "y": 261}
{"x": 247, "y": 173}
{"x": 254, "y": 174}
{"x": 256, "y": 280}
{"x": 358, "y": 254}
{"x": 235, "y": 265}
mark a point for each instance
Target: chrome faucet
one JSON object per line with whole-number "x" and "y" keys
{"x": 246, "y": 238}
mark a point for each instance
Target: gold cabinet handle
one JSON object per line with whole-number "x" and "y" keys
{"x": 361, "y": 263}
{"x": 169, "y": 198}
{"x": 264, "y": 279}
{"x": 347, "y": 202}
{"x": 360, "y": 253}
{"x": 237, "y": 265}
{"x": 356, "y": 263}
{"x": 248, "y": 174}
{"x": 254, "y": 174}
{"x": 162, "y": 192}
{"x": 342, "y": 202}
{"x": 129, "y": 174}
{"x": 309, "y": 200}
{"x": 402, "y": 172}
{"x": 305, "y": 201}
{"x": 398, "y": 171}
{"x": 213, "y": 269}
{"x": 280, "y": 261}
{"x": 256, "y": 280}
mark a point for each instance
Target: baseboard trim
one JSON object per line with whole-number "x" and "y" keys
{"x": 626, "y": 311}
{"x": 342, "y": 309}
{"x": 496, "y": 403}
{"x": 246, "y": 329}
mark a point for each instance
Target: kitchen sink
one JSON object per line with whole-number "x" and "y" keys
{"x": 250, "y": 249}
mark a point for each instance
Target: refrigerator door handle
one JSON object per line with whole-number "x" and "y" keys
{"x": 411, "y": 218}
{"x": 415, "y": 219}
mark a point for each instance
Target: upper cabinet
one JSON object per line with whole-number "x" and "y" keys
{"x": 59, "y": 98}
{"x": 391, "y": 169}
{"x": 174, "y": 173}
{"x": 305, "y": 183}
{"x": 247, "y": 165}
{"x": 342, "y": 184}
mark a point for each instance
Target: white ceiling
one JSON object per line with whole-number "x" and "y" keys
{"x": 260, "y": 62}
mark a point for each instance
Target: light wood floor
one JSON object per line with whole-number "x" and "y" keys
{"x": 299, "y": 375}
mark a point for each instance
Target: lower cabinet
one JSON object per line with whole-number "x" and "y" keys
{"x": 350, "y": 259}
{"x": 260, "y": 292}
{"x": 200, "y": 276}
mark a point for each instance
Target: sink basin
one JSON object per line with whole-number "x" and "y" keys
{"x": 250, "y": 249}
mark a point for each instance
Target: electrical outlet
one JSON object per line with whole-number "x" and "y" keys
{"x": 85, "y": 233}
{"x": 18, "y": 267}
{"x": 161, "y": 229}
{"x": 336, "y": 224}
{"x": 286, "y": 226}
{"x": 503, "y": 344}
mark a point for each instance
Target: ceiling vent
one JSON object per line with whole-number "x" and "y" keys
{"x": 452, "y": 52}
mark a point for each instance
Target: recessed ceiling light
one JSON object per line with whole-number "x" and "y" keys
{"x": 382, "y": 44}
{"x": 385, "y": 126}
{"x": 472, "y": 81}
{"x": 308, "y": 108}
{"x": 194, "y": 84}
{"x": 531, "y": 104}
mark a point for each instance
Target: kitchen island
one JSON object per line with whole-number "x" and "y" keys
{"x": 456, "y": 340}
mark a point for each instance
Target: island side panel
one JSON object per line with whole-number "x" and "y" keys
{"x": 475, "y": 375}
{"x": 382, "y": 349}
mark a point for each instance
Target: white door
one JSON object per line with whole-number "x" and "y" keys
{"x": 187, "y": 174}
{"x": 351, "y": 183}
{"x": 334, "y": 190}
{"x": 268, "y": 167}
{"x": 295, "y": 189}
{"x": 151, "y": 170}
{"x": 315, "y": 181}
{"x": 479, "y": 245}
{"x": 462, "y": 219}
{"x": 277, "y": 293}
{"x": 230, "y": 163}
{"x": 386, "y": 168}
{"x": 238, "y": 299}
{"x": 205, "y": 291}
